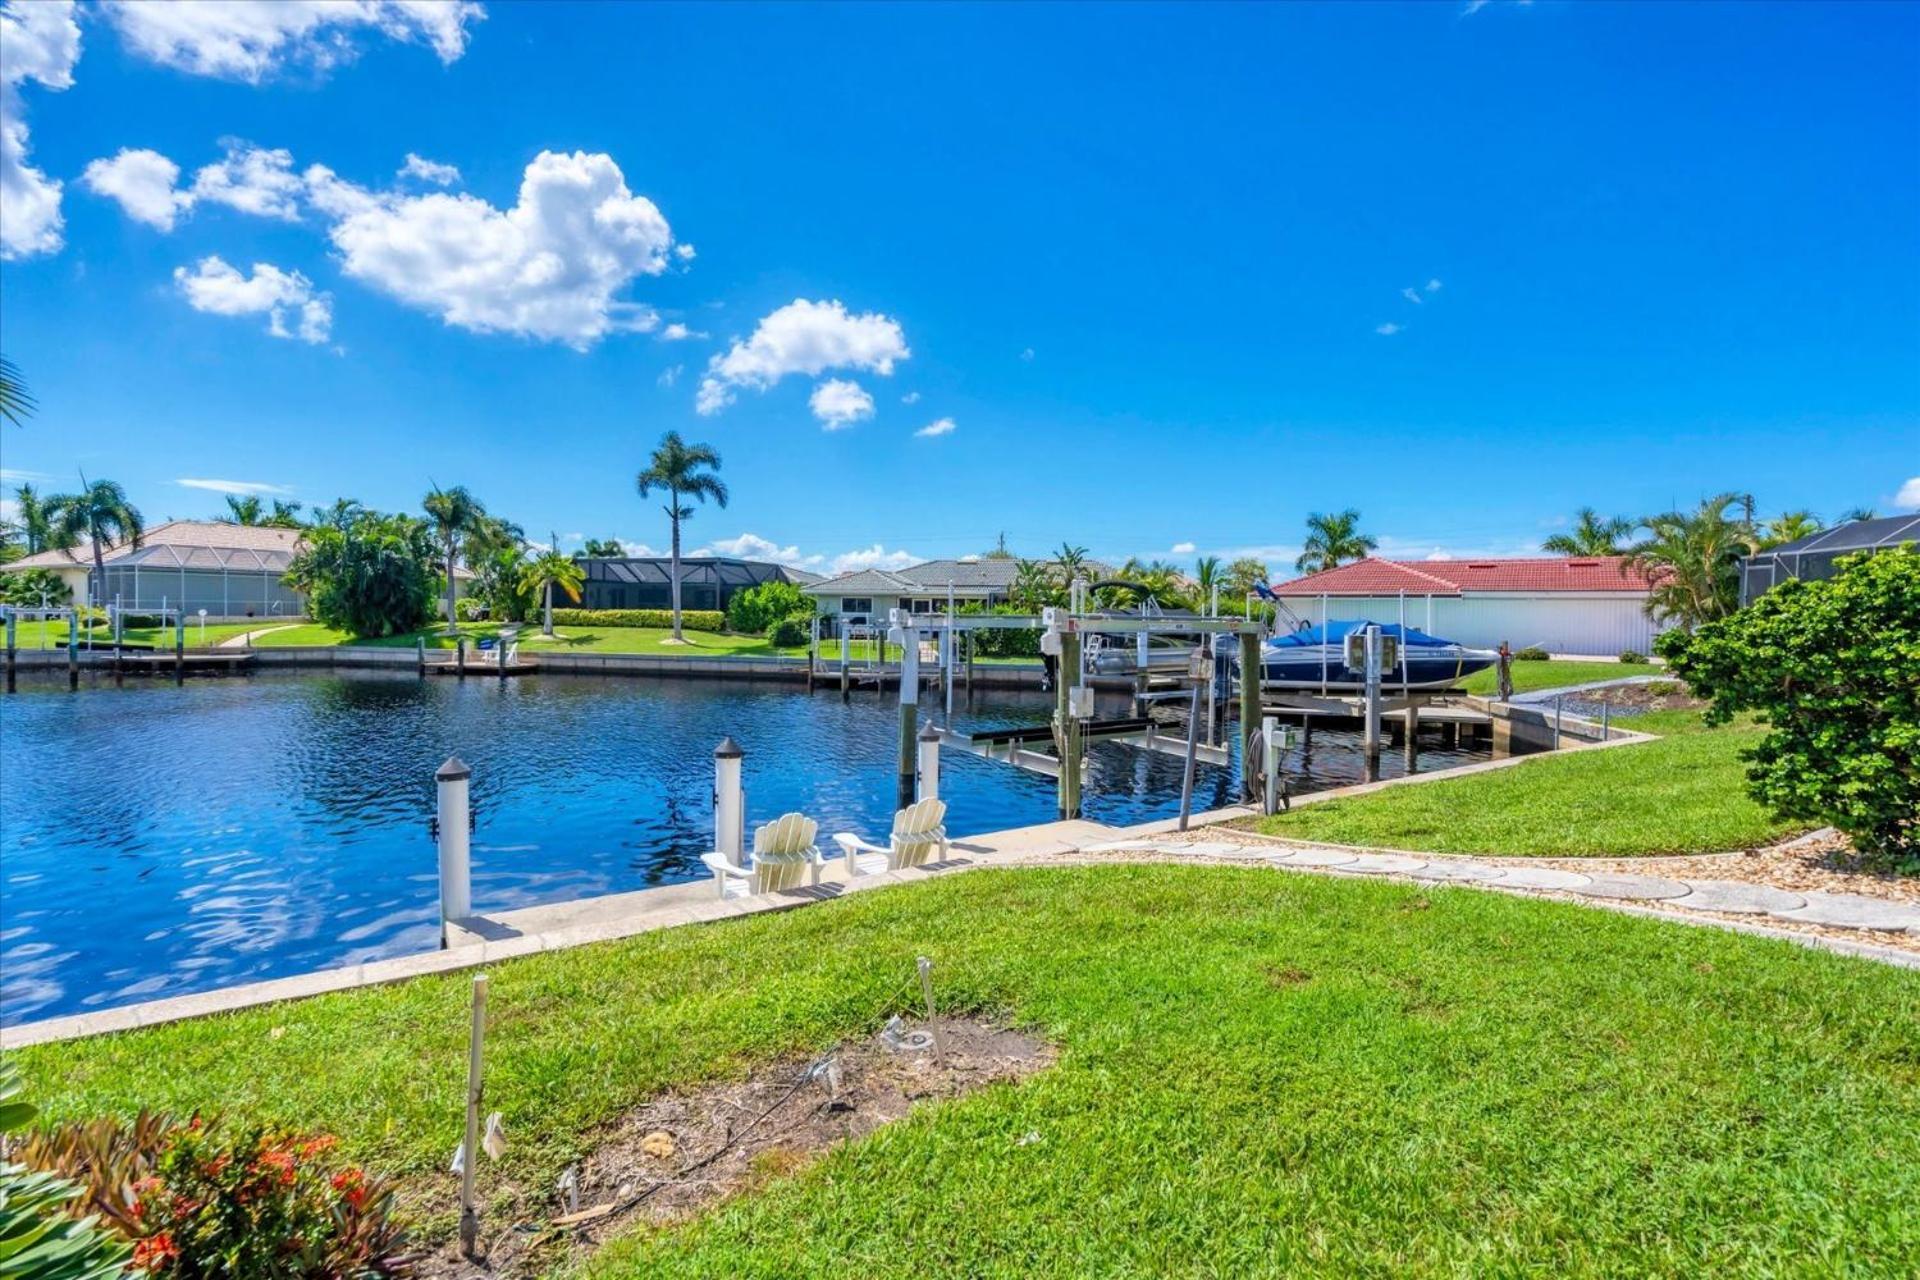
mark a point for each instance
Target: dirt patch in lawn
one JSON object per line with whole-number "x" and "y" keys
{"x": 681, "y": 1153}
{"x": 1631, "y": 699}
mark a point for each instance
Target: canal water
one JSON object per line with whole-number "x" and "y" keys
{"x": 159, "y": 839}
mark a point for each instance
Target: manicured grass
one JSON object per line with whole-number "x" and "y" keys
{"x": 1685, "y": 793}
{"x": 1529, "y": 677}
{"x": 53, "y": 635}
{"x": 1260, "y": 1074}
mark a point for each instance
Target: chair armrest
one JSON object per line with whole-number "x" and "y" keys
{"x": 718, "y": 864}
{"x": 851, "y": 844}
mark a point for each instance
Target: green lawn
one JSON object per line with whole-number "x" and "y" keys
{"x": 1529, "y": 677}
{"x": 53, "y": 635}
{"x": 1260, "y": 1074}
{"x": 1685, "y": 793}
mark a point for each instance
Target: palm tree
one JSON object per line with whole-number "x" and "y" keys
{"x": 550, "y": 569}
{"x": 602, "y": 549}
{"x": 1034, "y": 586}
{"x": 1332, "y": 540}
{"x": 1072, "y": 562}
{"x": 1207, "y": 575}
{"x": 242, "y": 510}
{"x": 1789, "y": 526}
{"x": 35, "y": 525}
{"x": 1855, "y": 514}
{"x": 285, "y": 515}
{"x": 101, "y": 512}
{"x": 1692, "y": 561}
{"x": 456, "y": 515}
{"x": 1590, "y": 535}
{"x": 684, "y": 471}
{"x": 15, "y": 403}
{"x": 342, "y": 513}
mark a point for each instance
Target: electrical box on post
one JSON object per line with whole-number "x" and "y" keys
{"x": 1080, "y": 702}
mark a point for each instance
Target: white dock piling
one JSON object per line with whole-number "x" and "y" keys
{"x": 729, "y": 801}
{"x": 929, "y": 763}
{"x": 452, "y": 828}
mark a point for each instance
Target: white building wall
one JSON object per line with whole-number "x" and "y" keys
{"x": 1598, "y": 624}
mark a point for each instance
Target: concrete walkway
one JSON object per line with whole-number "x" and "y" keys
{"x": 246, "y": 638}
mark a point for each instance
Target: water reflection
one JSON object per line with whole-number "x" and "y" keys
{"x": 157, "y": 839}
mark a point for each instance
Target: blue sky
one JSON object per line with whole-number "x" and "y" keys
{"x": 1170, "y": 277}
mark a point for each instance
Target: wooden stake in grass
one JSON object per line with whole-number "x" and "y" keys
{"x": 933, "y": 1025}
{"x": 470, "y": 1149}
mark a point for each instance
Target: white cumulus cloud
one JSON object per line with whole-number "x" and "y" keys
{"x": 751, "y": 546}
{"x": 440, "y": 175}
{"x": 255, "y": 180}
{"x": 677, "y": 332}
{"x": 145, "y": 183}
{"x": 284, "y": 297}
{"x": 252, "y": 40}
{"x": 873, "y": 557}
{"x": 1433, "y": 286}
{"x": 1908, "y": 499}
{"x": 938, "y": 427}
{"x": 1184, "y": 548}
{"x": 1388, "y": 329}
{"x": 39, "y": 41}
{"x": 838, "y": 403}
{"x": 802, "y": 337}
{"x": 547, "y": 268}
{"x": 912, "y": 397}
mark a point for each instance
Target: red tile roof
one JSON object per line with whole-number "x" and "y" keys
{"x": 1540, "y": 575}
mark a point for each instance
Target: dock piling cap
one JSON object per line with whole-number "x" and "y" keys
{"x": 453, "y": 770}
{"x": 928, "y": 733}
{"x": 728, "y": 749}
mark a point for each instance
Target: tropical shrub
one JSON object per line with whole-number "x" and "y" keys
{"x": 40, "y": 1236}
{"x": 1012, "y": 643}
{"x": 375, "y": 576}
{"x": 690, "y": 619}
{"x": 755, "y": 610}
{"x": 1833, "y": 668}
{"x": 1632, "y": 657}
{"x": 202, "y": 1200}
{"x": 1532, "y": 653}
{"x": 789, "y": 631}
{"x": 29, "y": 587}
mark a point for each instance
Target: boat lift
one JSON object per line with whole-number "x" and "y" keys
{"x": 1063, "y": 633}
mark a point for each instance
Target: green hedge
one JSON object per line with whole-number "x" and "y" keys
{"x": 1018, "y": 643}
{"x": 690, "y": 619}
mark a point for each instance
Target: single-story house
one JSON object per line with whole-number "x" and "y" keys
{"x": 865, "y": 595}
{"x": 1592, "y": 605}
{"x": 230, "y": 570}
{"x": 1814, "y": 555}
{"x": 706, "y": 582}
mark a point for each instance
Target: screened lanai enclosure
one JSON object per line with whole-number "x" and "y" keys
{"x": 645, "y": 582}
{"x": 1814, "y": 556}
{"x": 227, "y": 582}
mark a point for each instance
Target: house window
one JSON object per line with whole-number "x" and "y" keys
{"x": 855, "y": 604}
{"x": 923, "y": 606}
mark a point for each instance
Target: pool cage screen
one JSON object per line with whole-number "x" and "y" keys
{"x": 226, "y": 582}
{"x": 1814, "y": 556}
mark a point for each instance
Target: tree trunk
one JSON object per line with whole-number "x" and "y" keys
{"x": 452, "y": 621}
{"x": 547, "y": 624}
{"x": 675, "y": 493}
{"x": 99, "y": 574}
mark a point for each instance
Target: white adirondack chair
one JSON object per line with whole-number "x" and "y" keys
{"x": 918, "y": 831}
{"x": 783, "y": 851}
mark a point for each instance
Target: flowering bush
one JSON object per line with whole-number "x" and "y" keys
{"x": 260, "y": 1202}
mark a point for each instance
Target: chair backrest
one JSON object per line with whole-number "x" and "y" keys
{"x": 780, "y": 852}
{"x": 916, "y": 832}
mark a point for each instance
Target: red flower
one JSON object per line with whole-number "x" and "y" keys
{"x": 155, "y": 1251}
{"x": 314, "y": 1146}
{"x": 352, "y": 1186}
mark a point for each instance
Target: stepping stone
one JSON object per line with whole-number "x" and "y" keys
{"x": 1215, "y": 849}
{"x": 1320, "y": 858}
{"x": 1543, "y": 878}
{"x": 1854, "y": 911}
{"x": 1738, "y": 897}
{"x": 1633, "y": 887}
{"x": 1457, "y": 871}
{"x": 1383, "y": 864}
{"x": 1119, "y": 846}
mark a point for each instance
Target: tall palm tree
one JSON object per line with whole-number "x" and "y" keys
{"x": 684, "y": 471}
{"x": 1332, "y": 540}
{"x": 35, "y": 524}
{"x": 1854, "y": 514}
{"x": 1072, "y": 563}
{"x": 1034, "y": 585}
{"x": 1590, "y": 535}
{"x": 285, "y": 515}
{"x": 242, "y": 510}
{"x": 101, "y": 512}
{"x": 552, "y": 568}
{"x": 342, "y": 513}
{"x": 15, "y": 403}
{"x": 456, "y": 515}
{"x": 1691, "y": 560}
{"x": 1789, "y": 526}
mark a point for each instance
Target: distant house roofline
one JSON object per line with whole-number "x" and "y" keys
{"x": 1508, "y": 575}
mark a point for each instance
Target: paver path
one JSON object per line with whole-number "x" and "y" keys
{"x": 245, "y": 638}
{"x": 1737, "y": 897}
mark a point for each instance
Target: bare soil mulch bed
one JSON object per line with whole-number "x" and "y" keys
{"x": 1631, "y": 699}
{"x": 681, "y": 1153}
